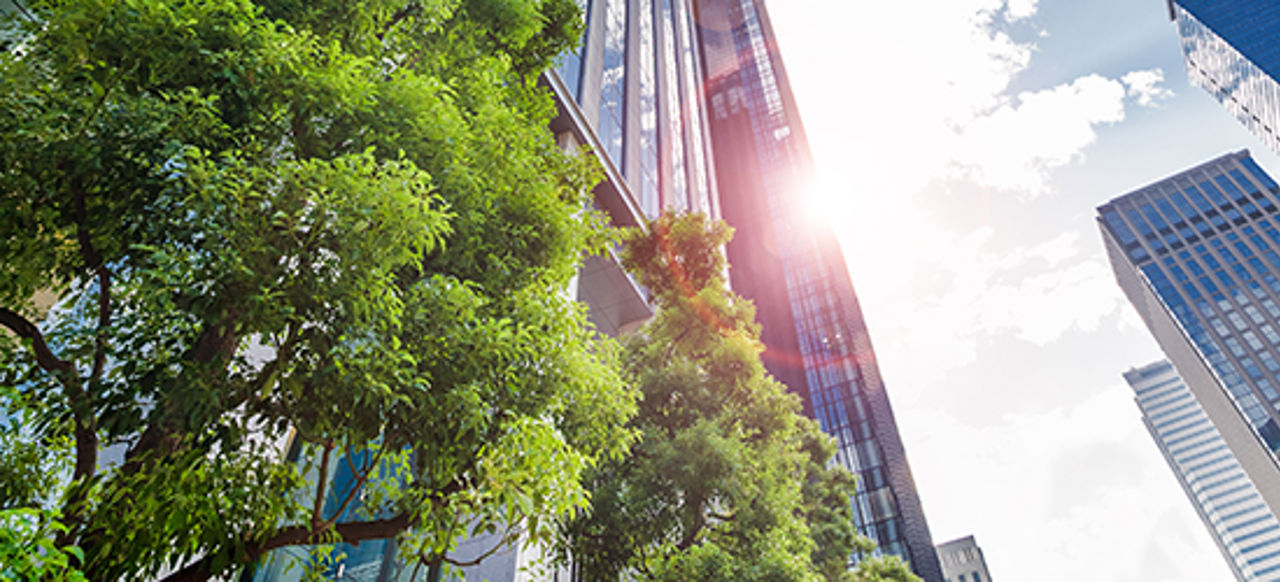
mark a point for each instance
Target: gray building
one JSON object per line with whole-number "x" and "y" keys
{"x": 962, "y": 561}
{"x": 1243, "y": 527}
{"x": 1197, "y": 254}
{"x": 1230, "y": 50}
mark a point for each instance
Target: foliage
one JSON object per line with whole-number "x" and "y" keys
{"x": 728, "y": 480}
{"x": 341, "y": 220}
{"x": 27, "y": 549}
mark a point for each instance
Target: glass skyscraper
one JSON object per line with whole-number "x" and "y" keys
{"x": 1198, "y": 255}
{"x": 1231, "y": 51}
{"x": 1244, "y": 528}
{"x": 677, "y": 98}
{"x": 794, "y": 271}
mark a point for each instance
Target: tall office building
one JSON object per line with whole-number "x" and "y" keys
{"x": 1230, "y": 50}
{"x": 676, "y": 97}
{"x": 794, "y": 271}
{"x": 1197, "y": 255}
{"x": 962, "y": 561}
{"x": 1245, "y": 530}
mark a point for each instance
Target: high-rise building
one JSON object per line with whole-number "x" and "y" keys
{"x": 677, "y": 98}
{"x": 816, "y": 340}
{"x": 1245, "y": 530}
{"x": 1230, "y": 50}
{"x": 1198, "y": 255}
{"x": 962, "y": 561}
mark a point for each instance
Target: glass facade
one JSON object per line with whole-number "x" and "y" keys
{"x": 819, "y": 345}
{"x": 1206, "y": 243}
{"x": 1242, "y": 525}
{"x": 673, "y": 105}
{"x": 570, "y": 68}
{"x": 613, "y": 86}
{"x": 647, "y": 181}
{"x": 1230, "y": 50}
{"x": 639, "y": 70}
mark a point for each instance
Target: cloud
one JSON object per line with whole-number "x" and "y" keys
{"x": 1020, "y": 9}
{"x": 1145, "y": 86}
{"x": 1065, "y": 480}
{"x": 1015, "y": 146}
{"x": 946, "y": 294}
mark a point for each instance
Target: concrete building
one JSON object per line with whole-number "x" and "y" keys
{"x": 1198, "y": 255}
{"x": 793, "y": 269}
{"x": 962, "y": 561}
{"x": 1244, "y": 529}
{"x": 1229, "y": 49}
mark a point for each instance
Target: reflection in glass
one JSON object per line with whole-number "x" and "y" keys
{"x": 613, "y": 83}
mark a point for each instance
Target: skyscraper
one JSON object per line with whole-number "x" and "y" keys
{"x": 1230, "y": 50}
{"x": 962, "y": 561}
{"x": 1245, "y": 530}
{"x": 1197, "y": 255}
{"x": 794, "y": 271}
{"x": 677, "y": 98}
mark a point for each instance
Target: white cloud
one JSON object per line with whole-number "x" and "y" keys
{"x": 1020, "y": 9}
{"x": 1145, "y": 86}
{"x": 961, "y": 243}
{"x": 1067, "y": 480}
{"x": 945, "y": 294}
{"x": 1015, "y": 146}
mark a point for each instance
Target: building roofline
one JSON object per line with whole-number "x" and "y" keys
{"x": 1239, "y": 154}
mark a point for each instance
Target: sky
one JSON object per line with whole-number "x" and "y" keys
{"x": 961, "y": 147}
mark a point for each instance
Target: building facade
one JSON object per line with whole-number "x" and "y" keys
{"x": 1243, "y": 527}
{"x": 1229, "y": 49}
{"x": 962, "y": 561}
{"x": 1198, "y": 255}
{"x": 794, "y": 271}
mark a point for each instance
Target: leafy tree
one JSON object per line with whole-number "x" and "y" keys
{"x": 728, "y": 481}
{"x": 338, "y": 219}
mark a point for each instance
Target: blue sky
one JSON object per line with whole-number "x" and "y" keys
{"x": 962, "y": 146}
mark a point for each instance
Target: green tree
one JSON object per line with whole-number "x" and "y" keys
{"x": 728, "y": 481}
{"x": 338, "y": 219}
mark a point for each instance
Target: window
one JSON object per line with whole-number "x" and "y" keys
{"x": 1233, "y": 344}
{"x": 613, "y": 85}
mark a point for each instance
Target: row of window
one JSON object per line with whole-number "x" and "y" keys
{"x": 669, "y": 21}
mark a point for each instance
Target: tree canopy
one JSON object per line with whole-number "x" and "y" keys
{"x": 728, "y": 481}
{"x": 339, "y": 220}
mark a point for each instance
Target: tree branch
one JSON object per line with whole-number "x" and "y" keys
{"x": 86, "y": 438}
{"x": 316, "y": 517}
{"x": 44, "y": 356}
{"x": 511, "y": 535}
{"x": 361, "y": 479}
{"x": 104, "y": 320}
{"x": 353, "y": 533}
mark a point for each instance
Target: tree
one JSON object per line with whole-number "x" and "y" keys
{"x": 728, "y": 481}
{"x": 339, "y": 219}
